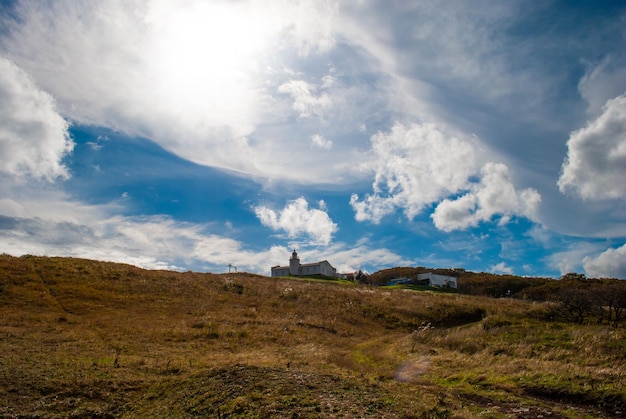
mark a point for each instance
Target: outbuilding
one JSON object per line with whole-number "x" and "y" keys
{"x": 436, "y": 280}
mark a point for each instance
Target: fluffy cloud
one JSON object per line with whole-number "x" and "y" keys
{"x": 414, "y": 166}
{"x": 297, "y": 219}
{"x": 501, "y": 268}
{"x": 33, "y": 136}
{"x": 596, "y": 158}
{"x": 372, "y": 207}
{"x": 418, "y": 165}
{"x": 494, "y": 194}
{"x": 609, "y": 264}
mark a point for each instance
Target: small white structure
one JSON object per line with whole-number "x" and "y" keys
{"x": 295, "y": 268}
{"x": 435, "y": 280}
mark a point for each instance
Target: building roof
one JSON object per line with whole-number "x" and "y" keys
{"x": 316, "y": 263}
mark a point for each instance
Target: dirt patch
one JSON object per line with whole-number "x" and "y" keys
{"x": 412, "y": 370}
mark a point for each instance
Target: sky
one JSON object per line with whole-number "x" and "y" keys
{"x": 194, "y": 135}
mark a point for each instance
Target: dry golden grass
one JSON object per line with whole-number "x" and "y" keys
{"x": 81, "y": 338}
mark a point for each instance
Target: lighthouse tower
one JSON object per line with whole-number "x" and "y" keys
{"x": 294, "y": 264}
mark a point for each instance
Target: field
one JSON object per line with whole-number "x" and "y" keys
{"x": 81, "y": 338}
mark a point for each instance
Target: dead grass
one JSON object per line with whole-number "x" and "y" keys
{"x": 83, "y": 338}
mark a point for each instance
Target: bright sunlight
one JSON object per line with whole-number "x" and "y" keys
{"x": 205, "y": 54}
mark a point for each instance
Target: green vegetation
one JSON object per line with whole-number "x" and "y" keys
{"x": 90, "y": 339}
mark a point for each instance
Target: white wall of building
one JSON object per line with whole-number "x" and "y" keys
{"x": 435, "y": 280}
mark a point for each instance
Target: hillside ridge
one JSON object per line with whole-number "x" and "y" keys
{"x": 82, "y": 338}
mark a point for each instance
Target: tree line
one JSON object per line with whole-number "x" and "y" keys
{"x": 575, "y": 297}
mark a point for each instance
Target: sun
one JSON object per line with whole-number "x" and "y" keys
{"x": 206, "y": 51}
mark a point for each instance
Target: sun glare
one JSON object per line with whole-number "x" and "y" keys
{"x": 206, "y": 51}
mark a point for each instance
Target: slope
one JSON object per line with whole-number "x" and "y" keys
{"x": 81, "y": 338}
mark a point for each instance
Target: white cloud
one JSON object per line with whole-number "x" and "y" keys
{"x": 306, "y": 101}
{"x": 501, "y": 268}
{"x": 352, "y": 258}
{"x": 456, "y": 214}
{"x": 196, "y": 77}
{"x": 34, "y": 200}
{"x": 418, "y": 165}
{"x": 43, "y": 221}
{"x": 319, "y": 141}
{"x": 296, "y": 219}
{"x": 47, "y": 222}
{"x": 200, "y": 78}
{"x": 570, "y": 259}
{"x": 609, "y": 264}
{"x": 372, "y": 207}
{"x": 33, "y": 136}
{"x": 10, "y": 207}
{"x": 596, "y": 160}
{"x": 493, "y": 195}
{"x": 155, "y": 242}
{"x": 137, "y": 67}
{"x": 414, "y": 166}
{"x": 541, "y": 235}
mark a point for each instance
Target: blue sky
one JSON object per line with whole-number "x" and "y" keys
{"x": 191, "y": 135}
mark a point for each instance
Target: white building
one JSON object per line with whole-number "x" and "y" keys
{"x": 295, "y": 268}
{"x": 435, "y": 280}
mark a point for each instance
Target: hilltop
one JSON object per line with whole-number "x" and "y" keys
{"x": 82, "y": 338}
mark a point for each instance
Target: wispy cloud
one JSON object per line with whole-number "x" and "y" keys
{"x": 306, "y": 101}
{"x": 319, "y": 141}
{"x": 601, "y": 81}
{"x": 571, "y": 259}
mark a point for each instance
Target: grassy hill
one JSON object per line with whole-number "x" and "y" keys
{"x": 81, "y": 338}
